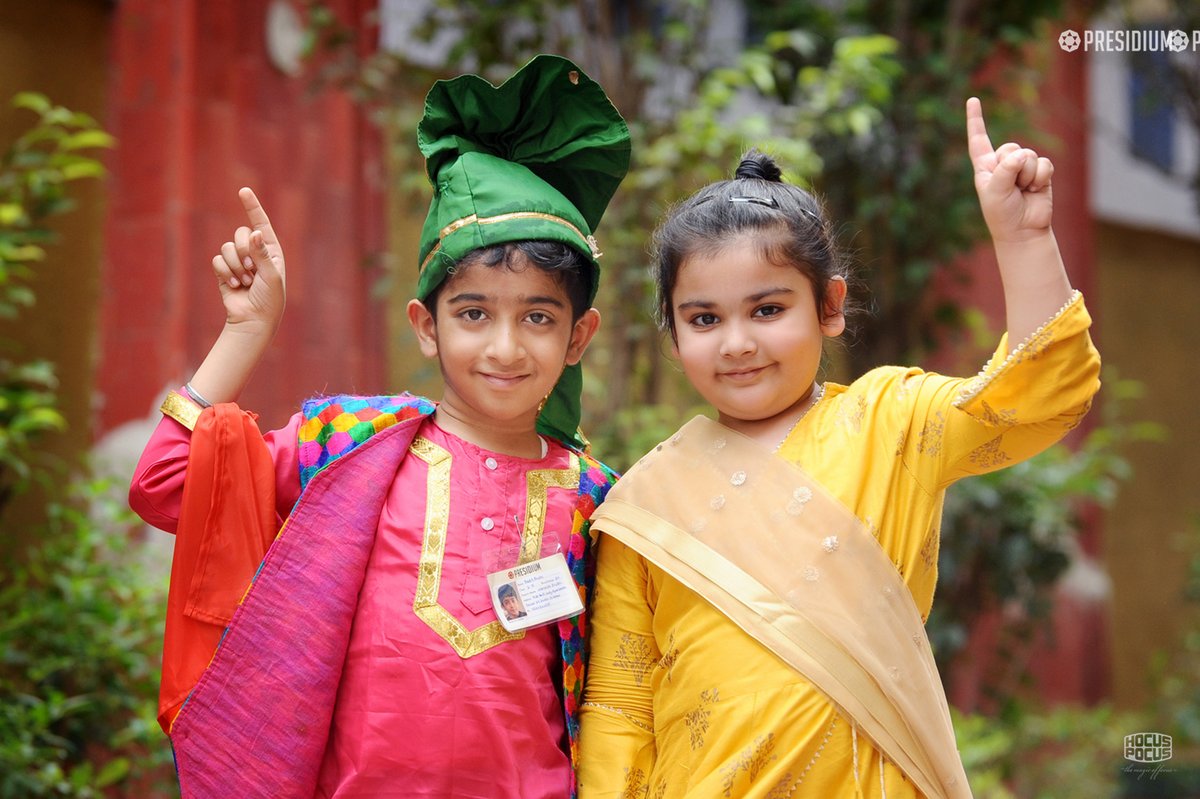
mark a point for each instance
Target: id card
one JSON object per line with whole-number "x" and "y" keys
{"x": 534, "y": 593}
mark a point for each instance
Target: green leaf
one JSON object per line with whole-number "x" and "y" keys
{"x": 33, "y": 101}
{"x": 88, "y": 139}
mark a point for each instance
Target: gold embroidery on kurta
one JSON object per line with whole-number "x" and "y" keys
{"x": 1037, "y": 343}
{"x": 635, "y": 784}
{"x": 901, "y": 440}
{"x": 1077, "y": 417}
{"x": 997, "y": 417}
{"x": 989, "y": 455}
{"x": 850, "y": 411}
{"x": 634, "y": 656}
{"x": 433, "y": 547}
{"x": 670, "y": 656}
{"x": 697, "y": 718}
{"x": 929, "y": 548}
{"x": 786, "y": 786}
{"x": 930, "y": 441}
{"x": 752, "y": 760}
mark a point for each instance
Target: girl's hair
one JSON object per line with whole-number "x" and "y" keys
{"x": 569, "y": 268}
{"x": 791, "y": 224}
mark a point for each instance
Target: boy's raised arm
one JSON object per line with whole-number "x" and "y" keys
{"x": 251, "y": 276}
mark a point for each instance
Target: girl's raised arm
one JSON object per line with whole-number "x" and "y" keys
{"x": 1013, "y": 185}
{"x": 250, "y": 274}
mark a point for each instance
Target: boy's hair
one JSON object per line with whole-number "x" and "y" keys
{"x": 791, "y": 221}
{"x": 567, "y": 265}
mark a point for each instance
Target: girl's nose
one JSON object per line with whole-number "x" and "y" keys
{"x": 738, "y": 342}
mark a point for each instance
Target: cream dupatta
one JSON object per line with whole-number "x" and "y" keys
{"x": 765, "y": 544}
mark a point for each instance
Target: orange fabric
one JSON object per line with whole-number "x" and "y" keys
{"x": 226, "y": 523}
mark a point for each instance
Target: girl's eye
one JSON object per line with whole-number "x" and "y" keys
{"x": 703, "y": 320}
{"x": 768, "y": 310}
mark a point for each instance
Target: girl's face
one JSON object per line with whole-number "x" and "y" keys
{"x": 749, "y": 336}
{"x": 502, "y": 337}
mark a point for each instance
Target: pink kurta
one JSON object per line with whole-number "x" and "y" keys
{"x": 416, "y": 716}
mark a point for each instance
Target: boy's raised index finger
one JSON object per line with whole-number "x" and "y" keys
{"x": 979, "y": 145}
{"x": 254, "y": 211}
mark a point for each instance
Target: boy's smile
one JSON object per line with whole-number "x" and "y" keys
{"x": 502, "y": 337}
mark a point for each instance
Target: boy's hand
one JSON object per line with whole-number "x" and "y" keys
{"x": 1012, "y": 182}
{"x": 250, "y": 270}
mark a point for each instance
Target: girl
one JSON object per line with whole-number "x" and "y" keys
{"x": 763, "y": 579}
{"x": 367, "y": 658}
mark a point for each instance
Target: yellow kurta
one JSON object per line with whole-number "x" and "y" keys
{"x": 680, "y": 701}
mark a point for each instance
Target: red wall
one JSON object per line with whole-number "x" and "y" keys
{"x": 199, "y": 111}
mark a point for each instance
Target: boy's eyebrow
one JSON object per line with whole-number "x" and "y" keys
{"x": 537, "y": 299}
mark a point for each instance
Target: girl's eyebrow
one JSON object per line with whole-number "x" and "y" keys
{"x": 762, "y": 295}
{"x": 757, "y": 296}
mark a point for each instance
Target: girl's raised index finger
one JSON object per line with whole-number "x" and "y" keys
{"x": 978, "y": 144}
{"x": 255, "y": 213}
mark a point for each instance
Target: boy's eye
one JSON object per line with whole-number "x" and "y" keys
{"x": 539, "y": 317}
{"x": 472, "y": 314}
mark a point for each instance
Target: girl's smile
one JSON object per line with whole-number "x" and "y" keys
{"x": 749, "y": 335}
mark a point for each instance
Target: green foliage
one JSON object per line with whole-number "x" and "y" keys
{"x": 1061, "y": 753}
{"x": 1175, "y": 676}
{"x": 34, "y": 177}
{"x": 1009, "y": 535}
{"x": 80, "y": 640}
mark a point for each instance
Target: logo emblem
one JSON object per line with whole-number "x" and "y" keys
{"x": 1148, "y": 747}
{"x": 1177, "y": 41}
{"x": 1069, "y": 41}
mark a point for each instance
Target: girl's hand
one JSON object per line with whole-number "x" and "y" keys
{"x": 250, "y": 271}
{"x": 1012, "y": 182}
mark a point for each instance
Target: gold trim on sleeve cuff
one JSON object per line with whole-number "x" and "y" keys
{"x": 181, "y": 409}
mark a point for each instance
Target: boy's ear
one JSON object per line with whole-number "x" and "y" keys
{"x": 833, "y": 316}
{"x": 425, "y": 326}
{"x": 582, "y": 334}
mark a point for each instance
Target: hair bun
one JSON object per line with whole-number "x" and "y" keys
{"x": 756, "y": 165}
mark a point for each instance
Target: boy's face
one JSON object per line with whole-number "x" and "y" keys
{"x": 502, "y": 337}
{"x": 509, "y": 603}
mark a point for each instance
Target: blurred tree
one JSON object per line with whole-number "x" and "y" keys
{"x": 862, "y": 101}
{"x": 34, "y": 173}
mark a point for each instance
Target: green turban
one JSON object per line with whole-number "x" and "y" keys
{"x": 538, "y": 157}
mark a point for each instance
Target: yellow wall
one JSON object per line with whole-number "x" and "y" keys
{"x": 59, "y": 48}
{"x": 1149, "y": 296}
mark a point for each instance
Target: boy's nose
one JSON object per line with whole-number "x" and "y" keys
{"x": 505, "y": 346}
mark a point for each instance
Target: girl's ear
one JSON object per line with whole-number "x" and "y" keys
{"x": 833, "y": 315}
{"x": 581, "y": 335}
{"x": 425, "y": 326}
